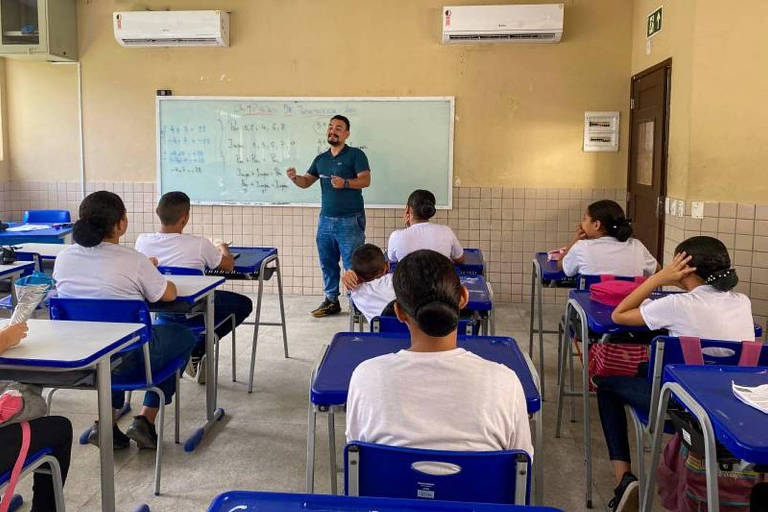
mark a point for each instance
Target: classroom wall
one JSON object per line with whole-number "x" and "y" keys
{"x": 519, "y": 107}
{"x": 4, "y": 154}
{"x": 718, "y": 116}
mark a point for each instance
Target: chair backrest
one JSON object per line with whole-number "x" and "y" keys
{"x": 668, "y": 350}
{"x": 104, "y": 310}
{"x": 180, "y": 271}
{"x": 382, "y": 323}
{"x": 46, "y": 216}
{"x": 30, "y": 256}
{"x": 397, "y": 472}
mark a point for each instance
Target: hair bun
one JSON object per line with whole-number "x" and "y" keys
{"x": 723, "y": 280}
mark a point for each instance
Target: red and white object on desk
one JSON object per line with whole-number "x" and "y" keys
{"x": 556, "y": 254}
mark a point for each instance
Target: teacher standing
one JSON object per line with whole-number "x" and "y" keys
{"x": 343, "y": 172}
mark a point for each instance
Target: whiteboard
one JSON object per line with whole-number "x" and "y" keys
{"x": 235, "y": 150}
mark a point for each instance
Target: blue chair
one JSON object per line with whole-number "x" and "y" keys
{"x": 123, "y": 311}
{"x": 667, "y": 350}
{"x": 467, "y": 326}
{"x": 33, "y": 464}
{"x": 197, "y": 323}
{"x": 46, "y": 217}
{"x": 396, "y": 472}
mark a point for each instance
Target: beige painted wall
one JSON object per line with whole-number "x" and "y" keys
{"x": 4, "y": 153}
{"x": 718, "y": 115}
{"x": 519, "y": 107}
{"x": 42, "y": 121}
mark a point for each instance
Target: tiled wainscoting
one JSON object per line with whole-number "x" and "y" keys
{"x": 508, "y": 224}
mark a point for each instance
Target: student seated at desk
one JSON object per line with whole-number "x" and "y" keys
{"x": 174, "y": 248}
{"x": 96, "y": 266}
{"x": 435, "y": 395}
{"x": 419, "y": 233}
{"x": 603, "y": 244}
{"x": 54, "y": 432}
{"x": 709, "y": 310}
{"x": 369, "y": 281}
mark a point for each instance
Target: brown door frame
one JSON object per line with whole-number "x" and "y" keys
{"x": 664, "y": 147}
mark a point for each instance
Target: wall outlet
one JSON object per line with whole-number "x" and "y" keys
{"x": 697, "y": 209}
{"x": 667, "y": 208}
{"x": 680, "y": 208}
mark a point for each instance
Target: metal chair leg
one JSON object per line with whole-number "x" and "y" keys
{"x": 177, "y": 408}
{"x": 159, "y": 448}
{"x": 234, "y": 351}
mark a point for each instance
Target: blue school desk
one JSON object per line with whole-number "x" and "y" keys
{"x": 252, "y": 501}
{"x": 480, "y": 300}
{"x": 474, "y": 263}
{"x": 257, "y": 263}
{"x": 706, "y": 392}
{"x": 14, "y": 271}
{"x": 545, "y": 274}
{"x": 46, "y": 358}
{"x": 53, "y": 235}
{"x": 195, "y": 294}
{"x": 329, "y": 384}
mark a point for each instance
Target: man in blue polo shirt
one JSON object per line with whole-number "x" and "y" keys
{"x": 343, "y": 172}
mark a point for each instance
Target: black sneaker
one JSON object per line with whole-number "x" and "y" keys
{"x": 143, "y": 433}
{"x": 327, "y": 307}
{"x": 119, "y": 440}
{"x": 626, "y": 495}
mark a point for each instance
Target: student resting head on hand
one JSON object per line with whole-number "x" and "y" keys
{"x": 435, "y": 395}
{"x": 603, "y": 244}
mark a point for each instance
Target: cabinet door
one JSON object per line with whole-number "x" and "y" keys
{"x": 24, "y": 26}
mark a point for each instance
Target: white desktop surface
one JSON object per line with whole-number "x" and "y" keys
{"x": 46, "y": 251}
{"x": 191, "y": 287}
{"x": 15, "y": 267}
{"x": 65, "y": 341}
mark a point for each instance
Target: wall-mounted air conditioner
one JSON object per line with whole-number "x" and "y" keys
{"x": 171, "y": 28}
{"x": 516, "y": 23}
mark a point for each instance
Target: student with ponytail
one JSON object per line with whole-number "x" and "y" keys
{"x": 419, "y": 233}
{"x": 709, "y": 310}
{"x": 603, "y": 244}
{"x": 435, "y": 395}
{"x": 96, "y": 266}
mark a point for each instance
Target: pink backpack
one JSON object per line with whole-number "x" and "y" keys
{"x": 681, "y": 477}
{"x": 11, "y": 406}
{"x": 611, "y": 291}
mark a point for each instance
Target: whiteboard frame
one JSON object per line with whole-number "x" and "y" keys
{"x": 452, "y": 108}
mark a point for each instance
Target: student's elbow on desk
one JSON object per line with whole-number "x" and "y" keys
{"x": 460, "y": 259}
{"x": 631, "y": 317}
{"x": 170, "y": 293}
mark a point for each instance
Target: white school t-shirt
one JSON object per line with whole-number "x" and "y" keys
{"x": 179, "y": 250}
{"x": 704, "y": 312}
{"x": 606, "y": 255}
{"x": 107, "y": 271}
{"x": 450, "y": 400}
{"x": 373, "y": 296}
{"x": 423, "y": 235}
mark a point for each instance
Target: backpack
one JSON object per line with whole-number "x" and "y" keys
{"x": 682, "y": 471}
{"x": 19, "y": 403}
{"x": 611, "y": 291}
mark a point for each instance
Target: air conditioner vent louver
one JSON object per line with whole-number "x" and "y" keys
{"x": 551, "y": 36}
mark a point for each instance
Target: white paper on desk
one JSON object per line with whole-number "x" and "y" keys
{"x": 29, "y": 227}
{"x": 756, "y": 397}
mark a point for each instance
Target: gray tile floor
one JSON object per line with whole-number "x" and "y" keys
{"x": 261, "y": 442}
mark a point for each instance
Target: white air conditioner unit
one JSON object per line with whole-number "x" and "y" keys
{"x": 171, "y": 28}
{"x": 516, "y": 23}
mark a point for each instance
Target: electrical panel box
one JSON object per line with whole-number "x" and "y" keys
{"x": 601, "y": 131}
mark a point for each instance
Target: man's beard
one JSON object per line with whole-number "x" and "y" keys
{"x": 334, "y": 142}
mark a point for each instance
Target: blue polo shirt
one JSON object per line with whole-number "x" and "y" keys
{"x": 340, "y": 202}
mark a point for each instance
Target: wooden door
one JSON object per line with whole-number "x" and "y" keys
{"x": 648, "y": 139}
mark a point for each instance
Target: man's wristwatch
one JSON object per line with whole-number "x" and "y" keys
{"x": 346, "y": 183}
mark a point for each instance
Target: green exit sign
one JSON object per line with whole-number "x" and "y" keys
{"x": 654, "y": 22}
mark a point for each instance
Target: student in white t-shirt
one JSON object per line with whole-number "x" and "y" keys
{"x": 96, "y": 266}
{"x": 435, "y": 395}
{"x": 603, "y": 244}
{"x": 419, "y": 233}
{"x": 709, "y": 309}
{"x": 174, "y": 248}
{"x": 369, "y": 281}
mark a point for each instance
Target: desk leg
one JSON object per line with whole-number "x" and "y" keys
{"x": 213, "y": 414}
{"x": 282, "y": 308}
{"x": 106, "y": 455}
{"x": 332, "y": 449}
{"x": 256, "y": 323}
{"x": 646, "y": 500}
{"x": 564, "y": 353}
{"x": 585, "y": 399}
{"x": 311, "y": 426}
{"x": 541, "y": 337}
{"x": 533, "y": 310}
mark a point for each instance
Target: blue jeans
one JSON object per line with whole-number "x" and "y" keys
{"x": 337, "y": 237}
{"x": 224, "y": 304}
{"x": 169, "y": 341}
{"x": 612, "y": 394}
